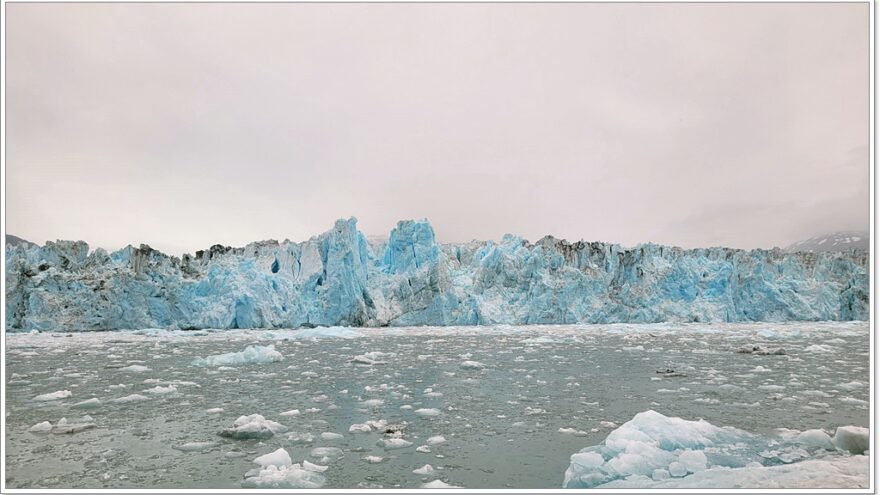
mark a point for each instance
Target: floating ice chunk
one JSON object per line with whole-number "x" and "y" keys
{"x": 472, "y": 365}
{"x": 131, "y": 398}
{"x": 328, "y": 333}
{"x": 329, "y": 435}
{"x": 214, "y": 410}
{"x": 394, "y": 443}
{"x": 317, "y": 468}
{"x": 438, "y": 484}
{"x": 854, "y": 439}
{"x": 360, "y": 428}
{"x": 572, "y": 431}
{"x": 761, "y": 369}
{"x": 436, "y": 440}
{"x": 44, "y": 427}
{"x": 819, "y": 348}
{"x": 279, "y": 457}
{"x": 293, "y": 476}
{"x": 373, "y": 358}
{"x": 92, "y": 403}
{"x": 326, "y": 454}
{"x": 427, "y": 412}
{"x": 160, "y": 390}
{"x": 424, "y": 470}
{"x": 65, "y": 427}
{"x": 252, "y": 354}
{"x": 853, "y": 401}
{"x": 373, "y": 402}
{"x": 607, "y": 424}
{"x": 61, "y": 394}
{"x": 253, "y": 426}
{"x": 373, "y": 459}
{"x": 195, "y": 446}
{"x": 853, "y": 385}
{"x": 301, "y": 438}
{"x": 135, "y": 368}
{"x": 424, "y": 449}
{"x": 292, "y": 412}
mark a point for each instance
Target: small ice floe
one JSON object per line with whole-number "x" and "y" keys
{"x": 63, "y": 426}
{"x": 160, "y": 390}
{"x": 252, "y": 354}
{"x": 131, "y": 398}
{"x": 44, "y": 427}
{"x": 471, "y": 365}
{"x": 760, "y": 351}
{"x": 214, "y": 410}
{"x": 92, "y": 403}
{"x": 771, "y": 388}
{"x": 424, "y": 470}
{"x": 393, "y": 443}
{"x": 369, "y": 426}
{"x": 300, "y": 438}
{"x": 853, "y": 385}
{"x": 326, "y": 455}
{"x": 373, "y": 402}
{"x": 61, "y": 394}
{"x": 853, "y": 401}
{"x": 607, "y": 424}
{"x": 761, "y": 369}
{"x": 373, "y": 459}
{"x": 254, "y": 426}
{"x": 135, "y": 368}
{"x": 572, "y": 431}
{"x": 316, "y": 468}
{"x": 670, "y": 373}
{"x": 436, "y": 440}
{"x": 819, "y": 348}
{"x": 427, "y": 412}
{"x": 292, "y": 412}
{"x": 424, "y": 449}
{"x": 329, "y": 435}
{"x": 278, "y": 471}
{"x": 194, "y": 446}
{"x": 279, "y": 457}
{"x": 373, "y": 358}
{"x": 438, "y": 484}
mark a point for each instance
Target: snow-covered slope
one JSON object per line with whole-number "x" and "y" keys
{"x": 838, "y": 241}
{"x": 339, "y": 278}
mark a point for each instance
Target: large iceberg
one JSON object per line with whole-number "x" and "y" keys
{"x": 656, "y": 451}
{"x": 340, "y": 279}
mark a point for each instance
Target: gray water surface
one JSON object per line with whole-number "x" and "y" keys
{"x": 501, "y": 422}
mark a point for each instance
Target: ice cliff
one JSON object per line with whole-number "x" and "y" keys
{"x": 339, "y": 278}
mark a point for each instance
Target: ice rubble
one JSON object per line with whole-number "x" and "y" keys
{"x": 653, "y": 450}
{"x": 277, "y": 470}
{"x": 252, "y": 354}
{"x": 339, "y": 279}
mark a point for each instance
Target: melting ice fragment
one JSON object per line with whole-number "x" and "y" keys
{"x": 252, "y": 354}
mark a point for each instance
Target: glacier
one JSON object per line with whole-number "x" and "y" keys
{"x": 338, "y": 279}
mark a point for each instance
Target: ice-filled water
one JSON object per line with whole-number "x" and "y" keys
{"x": 477, "y": 407}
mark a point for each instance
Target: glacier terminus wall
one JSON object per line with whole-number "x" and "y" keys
{"x": 339, "y": 278}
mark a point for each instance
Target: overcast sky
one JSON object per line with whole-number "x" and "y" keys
{"x": 186, "y": 125}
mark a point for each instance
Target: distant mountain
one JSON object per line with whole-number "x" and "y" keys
{"x": 12, "y": 240}
{"x": 838, "y": 241}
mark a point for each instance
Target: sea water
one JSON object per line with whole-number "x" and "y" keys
{"x": 146, "y": 409}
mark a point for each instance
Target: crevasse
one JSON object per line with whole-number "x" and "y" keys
{"x": 339, "y": 278}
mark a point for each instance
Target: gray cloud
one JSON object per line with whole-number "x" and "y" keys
{"x": 185, "y": 125}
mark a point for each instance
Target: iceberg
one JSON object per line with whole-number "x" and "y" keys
{"x": 252, "y": 354}
{"x": 655, "y": 451}
{"x": 338, "y": 280}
